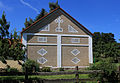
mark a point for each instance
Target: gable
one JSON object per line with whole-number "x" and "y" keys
{"x": 58, "y": 23}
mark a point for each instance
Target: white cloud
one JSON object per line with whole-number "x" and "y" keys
{"x": 27, "y": 4}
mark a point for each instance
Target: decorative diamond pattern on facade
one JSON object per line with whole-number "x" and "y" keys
{"x": 75, "y": 60}
{"x": 42, "y": 52}
{"x": 42, "y": 60}
{"x": 75, "y": 52}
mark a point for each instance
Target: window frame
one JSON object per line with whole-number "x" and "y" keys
{"x": 45, "y": 38}
{"x": 73, "y": 40}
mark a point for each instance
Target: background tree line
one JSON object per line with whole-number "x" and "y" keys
{"x": 105, "y": 55}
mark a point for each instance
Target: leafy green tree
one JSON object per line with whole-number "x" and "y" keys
{"x": 4, "y": 50}
{"x": 104, "y": 45}
{"x": 16, "y": 51}
{"x": 104, "y": 37}
{"x": 31, "y": 66}
{"x": 53, "y": 5}
{"x": 28, "y": 22}
{"x": 4, "y": 26}
{"x": 105, "y": 51}
{"x": 4, "y": 42}
{"x": 108, "y": 69}
{"x": 42, "y": 13}
{"x": 10, "y": 45}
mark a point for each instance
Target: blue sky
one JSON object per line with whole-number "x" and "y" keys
{"x": 96, "y": 15}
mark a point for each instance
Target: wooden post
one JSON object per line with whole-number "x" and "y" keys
{"x": 76, "y": 74}
{"x": 26, "y": 75}
{"x": 119, "y": 73}
{"x": 118, "y": 59}
{"x": 34, "y": 69}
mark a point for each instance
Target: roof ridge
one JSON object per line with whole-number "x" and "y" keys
{"x": 52, "y": 12}
{"x": 39, "y": 19}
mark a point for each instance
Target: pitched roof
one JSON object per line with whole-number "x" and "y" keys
{"x": 51, "y": 13}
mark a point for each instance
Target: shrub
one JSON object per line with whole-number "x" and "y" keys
{"x": 45, "y": 69}
{"x": 108, "y": 69}
{"x": 12, "y": 70}
{"x": 31, "y": 66}
{"x": 61, "y": 69}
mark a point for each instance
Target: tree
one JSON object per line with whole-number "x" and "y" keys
{"x": 105, "y": 51}
{"x": 16, "y": 51}
{"x": 4, "y": 26}
{"x": 4, "y": 43}
{"x": 104, "y": 45}
{"x": 108, "y": 68}
{"x": 31, "y": 66}
{"x": 10, "y": 45}
{"x": 105, "y": 37}
{"x": 28, "y": 22}
{"x": 53, "y": 5}
{"x": 42, "y": 13}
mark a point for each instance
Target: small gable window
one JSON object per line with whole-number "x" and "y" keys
{"x": 45, "y": 28}
{"x": 71, "y": 29}
{"x": 75, "y": 40}
{"x": 42, "y": 39}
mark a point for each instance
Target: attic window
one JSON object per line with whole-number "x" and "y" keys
{"x": 45, "y": 28}
{"x": 75, "y": 40}
{"x": 71, "y": 29}
{"x": 42, "y": 39}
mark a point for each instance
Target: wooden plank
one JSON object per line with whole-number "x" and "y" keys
{"x": 90, "y": 72}
{"x": 49, "y": 73}
{"x": 11, "y": 73}
{"x": 88, "y": 79}
{"x": 52, "y": 73}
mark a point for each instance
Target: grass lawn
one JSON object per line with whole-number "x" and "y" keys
{"x": 45, "y": 77}
{"x": 35, "y": 77}
{"x": 60, "y": 76}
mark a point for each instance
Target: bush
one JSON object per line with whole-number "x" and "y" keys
{"x": 108, "y": 69}
{"x": 45, "y": 69}
{"x": 61, "y": 69}
{"x": 12, "y": 70}
{"x": 31, "y": 65}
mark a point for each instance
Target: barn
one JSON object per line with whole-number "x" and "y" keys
{"x": 58, "y": 40}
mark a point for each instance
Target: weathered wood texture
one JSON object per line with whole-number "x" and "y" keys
{"x": 49, "y": 73}
{"x": 75, "y": 80}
